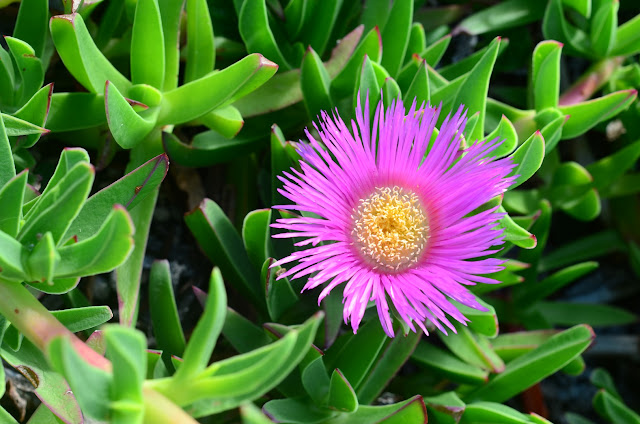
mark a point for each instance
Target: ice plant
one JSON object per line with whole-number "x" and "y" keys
{"x": 390, "y": 214}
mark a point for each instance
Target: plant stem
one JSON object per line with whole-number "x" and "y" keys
{"x": 33, "y": 320}
{"x": 592, "y": 80}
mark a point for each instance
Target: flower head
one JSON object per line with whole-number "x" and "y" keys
{"x": 388, "y": 213}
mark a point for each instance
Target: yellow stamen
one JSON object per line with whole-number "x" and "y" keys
{"x": 390, "y": 228}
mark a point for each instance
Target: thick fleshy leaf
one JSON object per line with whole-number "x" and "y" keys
{"x": 418, "y": 91}
{"x": 128, "y": 191}
{"x": 528, "y": 157}
{"x": 481, "y": 322}
{"x": 279, "y": 92}
{"x": 11, "y": 254}
{"x": 458, "y": 69}
{"x": 367, "y": 86}
{"x": 7, "y": 167}
{"x": 29, "y": 69}
{"x": 256, "y": 235}
{"x": 594, "y": 314}
{"x": 256, "y": 33}
{"x": 58, "y": 206}
{"x": 90, "y": 385}
{"x": 127, "y": 127}
{"x": 256, "y": 377}
{"x": 545, "y": 75}
{"x": 504, "y": 131}
{"x": 31, "y": 24}
{"x": 583, "y": 249}
{"x": 242, "y": 334}
{"x": 533, "y": 293}
{"x": 81, "y": 56}
{"x": 50, "y": 387}
{"x": 171, "y": 13}
{"x": 75, "y": 111}
{"x": 604, "y": 24}
{"x": 585, "y": 115}
{"x": 371, "y": 46}
{"x": 446, "y": 408}
{"x": 494, "y": 413}
{"x": 14, "y": 126}
{"x": 394, "y": 354}
{"x": 472, "y": 348}
{"x": 315, "y": 83}
{"x": 11, "y": 199}
{"x": 342, "y": 397}
{"x": 42, "y": 261}
{"x": 433, "y": 53}
{"x": 511, "y": 345}
{"x": 214, "y": 90}
{"x": 528, "y": 369}
{"x": 609, "y": 169}
{"x": 108, "y": 248}
{"x": 201, "y": 50}
{"x": 318, "y": 29}
{"x": 209, "y": 147}
{"x": 297, "y": 13}
{"x": 227, "y": 121}
{"x": 417, "y": 41}
{"x": 507, "y": 14}
{"x": 473, "y": 91}
{"x": 556, "y": 27}
{"x": 611, "y": 408}
{"x": 358, "y": 355}
{"x": 221, "y": 243}
{"x": 315, "y": 381}
{"x": 147, "y": 47}
{"x": 515, "y": 233}
{"x": 35, "y": 111}
{"x": 163, "y": 309}
{"x": 205, "y": 335}
{"x": 627, "y": 41}
{"x": 395, "y": 35}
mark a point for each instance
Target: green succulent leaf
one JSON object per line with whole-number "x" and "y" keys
{"x": 90, "y": 385}
{"x": 163, "y": 309}
{"x": 108, "y": 248}
{"x": 12, "y": 197}
{"x": 128, "y": 191}
{"x": 57, "y": 207}
{"x": 342, "y": 397}
{"x": 528, "y": 369}
{"x": 222, "y": 244}
{"x": 395, "y": 35}
{"x": 201, "y": 50}
{"x": 209, "y": 147}
{"x": 227, "y": 121}
{"x": 419, "y": 89}
{"x": 315, "y": 83}
{"x": 472, "y": 348}
{"x": 216, "y": 89}
{"x": 31, "y": 24}
{"x": 545, "y": 75}
{"x": 126, "y": 350}
{"x": 433, "y": 53}
{"x": 147, "y": 47}
{"x": 367, "y": 86}
{"x": 317, "y": 30}
{"x": 611, "y": 408}
{"x": 392, "y": 357}
{"x": 528, "y": 157}
{"x": 490, "y": 412}
{"x": 81, "y": 56}
{"x": 596, "y": 315}
{"x": 603, "y": 27}
{"x": 256, "y": 33}
{"x": 35, "y": 111}
{"x": 29, "y": 69}
{"x": 507, "y": 14}
{"x": 49, "y": 385}
{"x": 127, "y": 126}
{"x": 371, "y": 46}
{"x": 205, "y": 335}
{"x": 75, "y": 111}
{"x": 627, "y": 42}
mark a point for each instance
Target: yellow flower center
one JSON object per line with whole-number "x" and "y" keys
{"x": 390, "y": 228}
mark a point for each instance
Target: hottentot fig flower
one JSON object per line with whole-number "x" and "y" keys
{"x": 389, "y": 212}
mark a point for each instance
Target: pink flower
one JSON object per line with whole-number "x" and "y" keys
{"x": 391, "y": 223}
